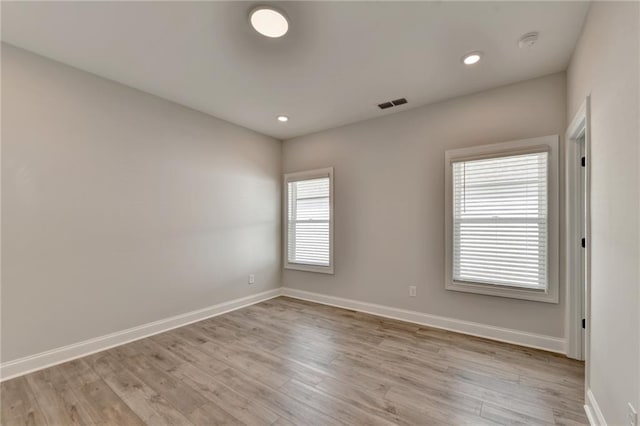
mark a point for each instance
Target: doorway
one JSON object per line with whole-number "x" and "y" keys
{"x": 582, "y": 220}
{"x": 577, "y": 236}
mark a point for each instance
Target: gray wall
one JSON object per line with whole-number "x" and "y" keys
{"x": 120, "y": 208}
{"x": 606, "y": 65}
{"x": 389, "y": 201}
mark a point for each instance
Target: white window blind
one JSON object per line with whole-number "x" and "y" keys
{"x": 309, "y": 221}
{"x": 500, "y": 221}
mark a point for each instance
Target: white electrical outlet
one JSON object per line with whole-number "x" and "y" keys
{"x": 252, "y": 279}
{"x": 412, "y": 290}
{"x": 633, "y": 416}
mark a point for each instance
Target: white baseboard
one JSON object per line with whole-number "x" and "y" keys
{"x": 28, "y": 364}
{"x": 593, "y": 410}
{"x": 537, "y": 341}
{"x": 52, "y": 357}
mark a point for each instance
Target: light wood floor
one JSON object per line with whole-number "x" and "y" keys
{"x": 286, "y": 362}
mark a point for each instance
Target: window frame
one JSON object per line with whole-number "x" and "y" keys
{"x": 298, "y": 176}
{"x": 524, "y": 146}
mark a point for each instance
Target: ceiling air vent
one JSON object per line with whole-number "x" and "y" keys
{"x": 393, "y": 103}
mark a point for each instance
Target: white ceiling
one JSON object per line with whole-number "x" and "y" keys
{"x": 338, "y": 61}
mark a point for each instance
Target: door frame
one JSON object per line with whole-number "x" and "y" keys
{"x": 580, "y": 127}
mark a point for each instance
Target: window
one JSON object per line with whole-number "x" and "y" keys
{"x": 502, "y": 222}
{"x": 309, "y": 221}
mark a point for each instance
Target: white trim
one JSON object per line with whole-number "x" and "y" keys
{"x": 550, "y": 143}
{"x": 578, "y": 124}
{"x": 28, "y": 364}
{"x": 294, "y": 177}
{"x": 593, "y": 410}
{"x": 532, "y": 340}
{"x": 578, "y": 128}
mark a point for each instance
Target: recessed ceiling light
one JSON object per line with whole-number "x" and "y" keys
{"x": 269, "y": 22}
{"x": 283, "y": 118}
{"x": 471, "y": 58}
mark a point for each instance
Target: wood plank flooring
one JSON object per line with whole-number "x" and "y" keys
{"x": 289, "y": 362}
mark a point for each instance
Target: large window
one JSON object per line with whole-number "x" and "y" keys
{"x": 309, "y": 220}
{"x": 501, "y": 228}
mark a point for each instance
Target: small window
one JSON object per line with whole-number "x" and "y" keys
{"x": 309, "y": 221}
{"x": 502, "y": 230}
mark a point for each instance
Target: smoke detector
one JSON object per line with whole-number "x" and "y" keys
{"x": 528, "y": 40}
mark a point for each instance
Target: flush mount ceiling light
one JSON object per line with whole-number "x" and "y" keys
{"x": 268, "y": 21}
{"x": 283, "y": 118}
{"x": 471, "y": 58}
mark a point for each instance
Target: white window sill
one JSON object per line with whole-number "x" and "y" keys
{"x": 309, "y": 268}
{"x": 503, "y": 291}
